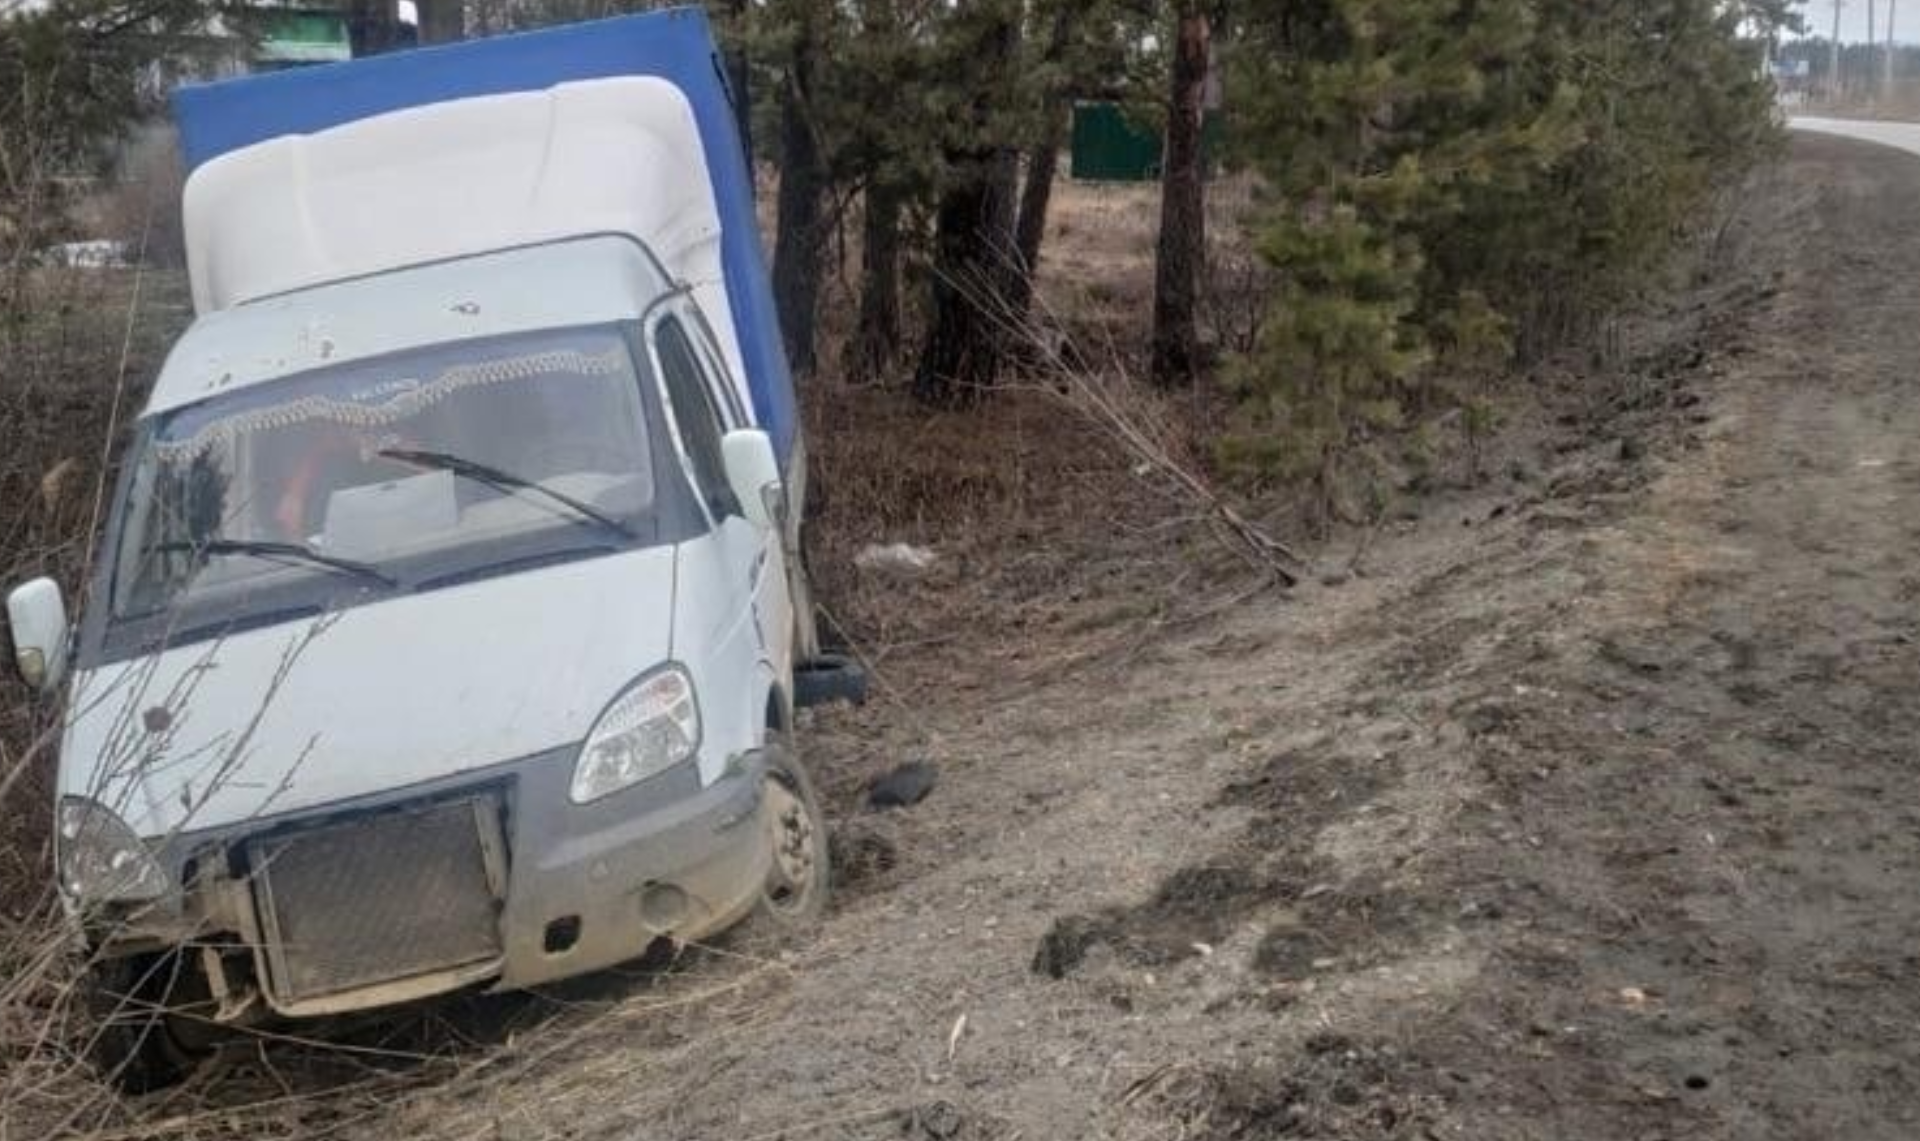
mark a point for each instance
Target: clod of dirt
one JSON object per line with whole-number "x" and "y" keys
{"x": 1064, "y": 947}
{"x": 1633, "y": 657}
{"x": 938, "y": 1120}
{"x": 1337, "y": 1087}
{"x": 862, "y": 850}
{"x": 1288, "y": 952}
{"x": 1194, "y": 908}
{"x": 1489, "y": 717}
{"x": 904, "y": 787}
{"x": 1360, "y": 922}
{"x": 1298, "y": 792}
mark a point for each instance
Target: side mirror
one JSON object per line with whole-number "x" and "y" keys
{"x": 753, "y": 471}
{"x": 38, "y": 616}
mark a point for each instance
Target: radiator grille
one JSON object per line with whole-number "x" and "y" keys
{"x": 377, "y": 899}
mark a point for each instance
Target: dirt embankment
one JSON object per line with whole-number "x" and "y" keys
{"x": 1591, "y": 810}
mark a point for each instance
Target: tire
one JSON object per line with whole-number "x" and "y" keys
{"x": 137, "y": 1043}
{"x": 827, "y": 679}
{"x": 800, "y": 881}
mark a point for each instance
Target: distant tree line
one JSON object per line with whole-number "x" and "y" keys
{"x": 1862, "y": 66}
{"x": 1444, "y": 184}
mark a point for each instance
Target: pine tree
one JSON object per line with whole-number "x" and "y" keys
{"x": 1043, "y": 159}
{"x": 1453, "y": 180}
{"x": 973, "y": 225}
{"x": 1183, "y": 217}
{"x": 810, "y": 27}
{"x": 891, "y": 155}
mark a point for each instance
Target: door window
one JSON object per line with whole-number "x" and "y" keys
{"x": 709, "y": 346}
{"x": 696, "y": 413}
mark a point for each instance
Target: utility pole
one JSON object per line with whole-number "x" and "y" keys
{"x": 1833, "y": 62}
{"x": 1873, "y": 45}
{"x": 1886, "y": 80}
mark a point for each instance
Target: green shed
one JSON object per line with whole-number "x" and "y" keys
{"x": 1109, "y": 147}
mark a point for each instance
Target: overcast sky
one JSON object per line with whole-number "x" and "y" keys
{"x": 1853, "y": 19}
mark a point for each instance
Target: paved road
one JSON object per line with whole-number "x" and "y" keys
{"x": 1905, "y": 136}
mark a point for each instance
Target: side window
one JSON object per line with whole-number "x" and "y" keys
{"x": 701, "y": 425}
{"x": 709, "y": 346}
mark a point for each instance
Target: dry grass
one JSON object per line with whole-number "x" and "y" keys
{"x": 70, "y": 367}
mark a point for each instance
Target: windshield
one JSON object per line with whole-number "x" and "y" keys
{"x": 370, "y": 475}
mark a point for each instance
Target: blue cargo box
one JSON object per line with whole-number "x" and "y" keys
{"x": 676, "y": 45}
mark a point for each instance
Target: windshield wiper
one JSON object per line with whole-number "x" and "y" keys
{"x": 290, "y": 553}
{"x": 227, "y": 627}
{"x": 508, "y": 482}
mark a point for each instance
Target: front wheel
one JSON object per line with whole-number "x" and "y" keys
{"x": 149, "y": 1031}
{"x": 801, "y": 876}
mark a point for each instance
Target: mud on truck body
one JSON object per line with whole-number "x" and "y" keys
{"x": 448, "y": 618}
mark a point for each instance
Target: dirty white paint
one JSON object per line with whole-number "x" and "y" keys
{"x": 592, "y": 281}
{"x": 375, "y": 698}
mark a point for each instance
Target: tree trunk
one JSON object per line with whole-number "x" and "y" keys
{"x": 442, "y": 21}
{"x": 972, "y": 246}
{"x": 1043, "y": 165}
{"x": 373, "y": 26}
{"x": 1030, "y": 233}
{"x": 800, "y": 239}
{"x": 878, "y": 341}
{"x": 961, "y": 361}
{"x": 740, "y": 72}
{"x": 1183, "y": 220}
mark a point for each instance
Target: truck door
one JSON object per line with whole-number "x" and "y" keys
{"x": 733, "y": 581}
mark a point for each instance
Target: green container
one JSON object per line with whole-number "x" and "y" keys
{"x": 1108, "y": 147}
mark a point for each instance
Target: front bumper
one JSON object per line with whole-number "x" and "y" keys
{"x": 679, "y": 862}
{"x": 585, "y": 887}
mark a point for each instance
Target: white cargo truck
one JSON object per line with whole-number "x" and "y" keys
{"x": 448, "y": 619}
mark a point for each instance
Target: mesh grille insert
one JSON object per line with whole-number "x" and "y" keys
{"x": 377, "y": 899}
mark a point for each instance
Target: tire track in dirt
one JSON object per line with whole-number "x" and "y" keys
{"x": 1641, "y": 863}
{"x": 1688, "y": 849}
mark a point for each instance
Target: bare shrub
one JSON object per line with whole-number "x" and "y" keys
{"x": 76, "y": 348}
{"x": 1237, "y": 292}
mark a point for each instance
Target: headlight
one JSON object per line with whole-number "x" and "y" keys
{"x": 101, "y": 860}
{"x": 647, "y": 730}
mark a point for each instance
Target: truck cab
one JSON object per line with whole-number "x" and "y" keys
{"x": 446, "y": 623}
